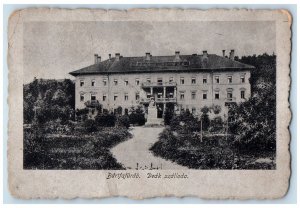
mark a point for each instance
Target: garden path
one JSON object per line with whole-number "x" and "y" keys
{"x": 134, "y": 153}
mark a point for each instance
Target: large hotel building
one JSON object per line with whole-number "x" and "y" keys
{"x": 182, "y": 81}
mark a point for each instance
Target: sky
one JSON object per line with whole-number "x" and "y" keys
{"x": 53, "y": 49}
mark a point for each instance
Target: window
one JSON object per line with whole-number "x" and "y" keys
{"x": 193, "y": 95}
{"x": 82, "y": 97}
{"x": 93, "y": 97}
{"x": 204, "y": 80}
{"x": 148, "y": 95}
{"x": 171, "y": 95}
{"x": 93, "y": 83}
{"x": 229, "y": 95}
{"x": 181, "y": 95}
{"x": 104, "y": 98}
{"x": 181, "y": 80}
{"x": 126, "y": 96}
{"x": 204, "y": 96}
{"x": 137, "y": 81}
{"x": 217, "y": 79}
{"x": 115, "y": 81}
{"x": 137, "y": 96}
{"x": 81, "y": 83}
{"x": 126, "y": 82}
{"x": 242, "y": 78}
{"x": 242, "y": 94}
{"x": 159, "y": 95}
{"x": 115, "y": 97}
{"x": 105, "y": 82}
{"x": 229, "y": 78}
{"x": 171, "y": 79}
{"x": 217, "y": 96}
{"x": 193, "y": 80}
{"x": 149, "y": 80}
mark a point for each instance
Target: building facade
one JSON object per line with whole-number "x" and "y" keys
{"x": 181, "y": 81}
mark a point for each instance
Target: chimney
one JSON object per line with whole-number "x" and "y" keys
{"x": 117, "y": 56}
{"x": 223, "y": 51}
{"x": 205, "y": 54}
{"x": 177, "y": 58}
{"x": 231, "y": 55}
{"x": 109, "y": 56}
{"x": 96, "y": 58}
{"x": 148, "y": 56}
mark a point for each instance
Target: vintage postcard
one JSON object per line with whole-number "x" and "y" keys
{"x": 149, "y": 103}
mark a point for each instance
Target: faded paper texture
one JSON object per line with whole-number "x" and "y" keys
{"x": 56, "y": 152}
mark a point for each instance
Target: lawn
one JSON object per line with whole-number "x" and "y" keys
{"x": 72, "y": 149}
{"x": 214, "y": 152}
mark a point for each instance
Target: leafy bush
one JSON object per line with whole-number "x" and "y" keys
{"x": 216, "y": 109}
{"x": 216, "y": 124}
{"x": 105, "y": 119}
{"x": 185, "y": 122}
{"x": 137, "y": 116}
{"x": 90, "y": 125}
{"x": 169, "y": 113}
{"x": 123, "y": 121}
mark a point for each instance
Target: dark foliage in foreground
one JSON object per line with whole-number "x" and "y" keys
{"x": 71, "y": 149}
{"x": 214, "y": 152}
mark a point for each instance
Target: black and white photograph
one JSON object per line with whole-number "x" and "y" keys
{"x": 136, "y": 95}
{"x": 149, "y": 103}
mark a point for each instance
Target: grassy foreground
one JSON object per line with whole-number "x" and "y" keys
{"x": 72, "y": 149}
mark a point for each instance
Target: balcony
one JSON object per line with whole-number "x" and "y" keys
{"x": 159, "y": 100}
{"x": 229, "y": 100}
{"x": 92, "y": 103}
{"x": 159, "y": 84}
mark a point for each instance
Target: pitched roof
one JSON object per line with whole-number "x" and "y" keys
{"x": 187, "y": 63}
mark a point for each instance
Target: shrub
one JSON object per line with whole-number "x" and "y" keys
{"x": 137, "y": 116}
{"x": 216, "y": 109}
{"x": 105, "y": 119}
{"x": 90, "y": 125}
{"x": 169, "y": 113}
{"x": 205, "y": 110}
{"x": 123, "y": 121}
{"x": 185, "y": 122}
{"x": 216, "y": 124}
{"x": 82, "y": 114}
